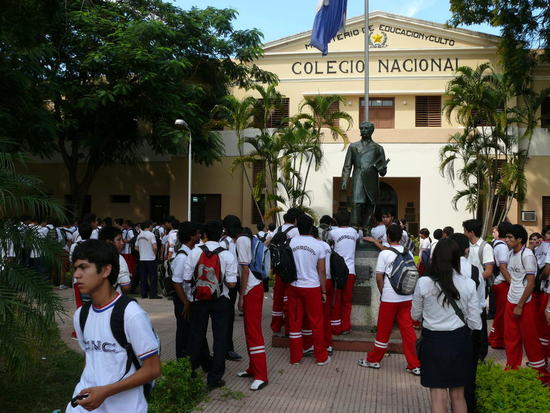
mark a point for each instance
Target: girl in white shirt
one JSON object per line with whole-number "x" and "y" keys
{"x": 446, "y": 350}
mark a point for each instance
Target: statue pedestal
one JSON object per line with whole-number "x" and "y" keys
{"x": 366, "y": 298}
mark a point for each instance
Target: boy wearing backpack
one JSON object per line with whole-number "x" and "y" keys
{"x": 251, "y": 300}
{"x": 345, "y": 240}
{"x": 519, "y": 317}
{"x": 110, "y": 382}
{"x": 212, "y": 271}
{"x": 393, "y": 307}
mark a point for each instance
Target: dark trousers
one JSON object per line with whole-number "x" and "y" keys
{"x": 483, "y": 339}
{"x": 218, "y": 312}
{"x": 480, "y": 349}
{"x": 148, "y": 278}
{"x": 233, "y": 298}
{"x": 37, "y": 265}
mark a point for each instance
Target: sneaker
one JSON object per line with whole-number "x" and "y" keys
{"x": 345, "y": 333}
{"x": 233, "y": 356}
{"x": 324, "y": 363}
{"x": 297, "y": 363}
{"x": 258, "y": 385}
{"x": 244, "y": 374}
{"x": 330, "y": 350}
{"x": 415, "y": 371}
{"x": 308, "y": 352}
{"x": 365, "y": 363}
{"x": 62, "y": 286}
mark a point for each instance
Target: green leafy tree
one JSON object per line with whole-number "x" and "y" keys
{"x": 111, "y": 77}
{"x": 28, "y": 304}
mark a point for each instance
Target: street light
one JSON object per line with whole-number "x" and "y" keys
{"x": 182, "y": 124}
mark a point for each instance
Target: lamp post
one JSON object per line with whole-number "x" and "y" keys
{"x": 182, "y": 125}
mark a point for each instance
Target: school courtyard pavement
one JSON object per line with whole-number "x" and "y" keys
{"x": 342, "y": 386}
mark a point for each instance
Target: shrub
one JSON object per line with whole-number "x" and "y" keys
{"x": 511, "y": 391}
{"x": 176, "y": 391}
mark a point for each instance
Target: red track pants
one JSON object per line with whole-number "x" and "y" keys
{"x": 131, "y": 261}
{"x": 279, "y": 306}
{"x": 496, "y": 336}
{"x": 305, "y": 302}
{"x": 253, "y": 302}
{"x": 327, "y": 308}
{"x": 341, "y": 312}
{"x": 522, "y": 331}
{"x": 387, "y": 315}
{"x": 543, "y": 330}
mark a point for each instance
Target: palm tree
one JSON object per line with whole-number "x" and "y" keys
{"x": 28, "y": 304}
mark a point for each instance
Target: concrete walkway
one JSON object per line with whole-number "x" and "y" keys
{"x": 341, "y": 386}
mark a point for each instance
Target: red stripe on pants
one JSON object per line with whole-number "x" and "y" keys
{"x": 543, "y": 330}
{"x": 300, "y": 299}
{"x": 279, "y": 308}
{"x": 387, "y": 315}
{"x": 521, "y": 332}
{"x": 253, "y": 303}
{"x": 327, "y": 307}
{"x": 496, "y": 337}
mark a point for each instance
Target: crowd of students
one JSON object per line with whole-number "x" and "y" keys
{"x": 210, "y": 267}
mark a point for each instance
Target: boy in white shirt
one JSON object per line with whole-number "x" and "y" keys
{"x": 345, "y": 240}
{"x": 107, "y": 385}
{"x": 113, "y": 235}
{"x": 329, "y": 285}
{"x": 519, "y": 318}
{"x": 393, "y": 307}
{"x": 307, "y": 294}
{"x": 146, "y": 245}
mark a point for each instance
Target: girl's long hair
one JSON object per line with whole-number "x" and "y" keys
{"x": 446, "y": 258}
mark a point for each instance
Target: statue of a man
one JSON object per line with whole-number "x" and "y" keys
{"x": 367, "y": 159}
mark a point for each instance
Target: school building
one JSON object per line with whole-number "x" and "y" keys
{"x": 411, "y": 61}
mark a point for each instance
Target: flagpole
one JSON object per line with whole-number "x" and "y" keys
{"x": 367, "y": 37}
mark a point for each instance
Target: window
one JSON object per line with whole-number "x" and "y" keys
{"x": 545, "y": 113}
{"x": 335, "y": 107}
{"x": 258, "y": 169}
{"x": 278, "y": 118}
{"x": 206, "y": 207}
{"x": 428, "y": 111}
{"x": 381, "y": 112}
{"x": 120, "y": 199}
{"x": 545, "y": 210}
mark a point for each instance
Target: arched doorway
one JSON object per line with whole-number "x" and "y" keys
{"x": 388, "y": 199}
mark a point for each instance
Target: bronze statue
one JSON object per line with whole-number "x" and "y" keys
{"x": 367, "y": 159}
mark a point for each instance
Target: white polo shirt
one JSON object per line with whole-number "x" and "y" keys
{"x": 172, "y": 239}
{"x": 127, "y": 235}
{"x": 520, "y": 264}
{"x": 290, "y": 234}
{"x": 328, "y": 251}
{"x": 144, "y": 242}
{"x": 123, "y": 273}
{"x": 488, "y": 258}
{"x": 345, "y": 241}
{"x": 501, "y": 253}
{"x": 178, "y": 269}
{"x": 379, "y": 233}
{"x": 244, "y": 257}
{"x": 307, "y": 252}
{"x": 384, "y": 265}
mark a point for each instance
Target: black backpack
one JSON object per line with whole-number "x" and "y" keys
{"x": 339, "y": 270}
{"x": 282, "y": 259}
{"x": 117, "y": 328}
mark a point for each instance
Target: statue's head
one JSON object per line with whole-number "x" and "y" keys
{"x": 366, "y": 128}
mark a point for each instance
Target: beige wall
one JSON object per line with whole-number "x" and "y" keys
{"x": 537, "y": 173}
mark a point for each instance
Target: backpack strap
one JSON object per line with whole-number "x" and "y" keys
{"x": 84, "y": 311}
{"x": 117, "y": 328}
{"x": 286, "y": 231}
{"x": 458, "y": 311}
{"x": 475, "y": 275}
{"x": 480, "y": 252}
{"x": 405, "y": 251}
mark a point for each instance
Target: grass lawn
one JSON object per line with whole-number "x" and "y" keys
{"x": 48, "y": 385}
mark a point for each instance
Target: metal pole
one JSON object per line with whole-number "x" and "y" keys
{"x": 367, "y": 38}
{"x": 190, "y": 161}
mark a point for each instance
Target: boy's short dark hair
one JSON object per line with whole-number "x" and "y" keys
{"x": 448, "y": 231}
{"x": 272, "y": 226}
{"x": 326, "y": 219}
{"x": 186, "y": 230}
{"x": 473, "y": 225}
{"x": 119, "y": 221}
{"x": 146, "y": 224}
{"x": 387, "y": 211}
{"x": 100, "y": 253}
{"x": 85, "y": 230}
{"x": 315, "y": 232}
{"x": 175, "y": 223}
{"x": 89, "y": 218}
{"x": 462, "y": 242}
{"x": 438, "y": 234}
{"x": 503, "y": 229}
{"x": 518, "y": 231}
{"x": 342, "y": 218}
{"x": 213, "y": 230}
{"x": 260, "y": 226}
{"x": 535, "y": 234}
{"x": 305, "y": 223}
{"x": 545, "y": 229}
{"x": 394, "y": 233}
{"x": 109, "y": 233}
{"x": 231, "y": 221}
{"x": 292, "y": 215}
{"x": 425, "y": 232}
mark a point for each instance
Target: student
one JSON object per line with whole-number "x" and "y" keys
{"x": 541, "y": 252}
{"x": 113, "y": 235}
{"x": 438, "y": 234}
{"x": 218, "y": 310}
{"x": 262, "y": 235}
{"x": 345, "y": 240}
{"x": 146, "y": 245}
{"x": 446, "y": 346}
{"x": 325, "y": 225}
{"x": 519, "y": 318}
{"x": 251, "y": 301}
{"x": 501, "y": 284}
{"x": 128, "y": 234}
{"x": 270, "y": 230}
{"x": 425, "y": 240}
{"x": 279, "y": 289}
{"x": 378, "y": 233}
{"x": 448, "y": 231}
{"x": 308, "y": 293}
{"x": 393, "y": 308}
{"x": 481, "y": 255}
{"x": 172, "y": 239}
{"x": 93, "y": 220}
{"x": 36, "y": 262}
{"x": 535, "y": 240}
{"x": 106, "y": 384}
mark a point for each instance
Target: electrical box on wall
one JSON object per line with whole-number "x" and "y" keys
{"x": 528, "y": 216}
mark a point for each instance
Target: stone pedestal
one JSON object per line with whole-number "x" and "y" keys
{"x": 366, "y": 298}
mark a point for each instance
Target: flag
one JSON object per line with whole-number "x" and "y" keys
{"x": 329, "y": 20}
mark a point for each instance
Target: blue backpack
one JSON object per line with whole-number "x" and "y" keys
{"x": 259, "y": 266}
{"x": 404, "y": 273}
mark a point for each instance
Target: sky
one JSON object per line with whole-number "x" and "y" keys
{"x": 281, "y": 18}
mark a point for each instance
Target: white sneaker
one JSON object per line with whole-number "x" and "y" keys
{"x": 244, "y": 373}
{"x": 365, "y": 363}
{"x": 415, "y": 371}
{"x": 258, "y": 385}
{"x": 308, "y": 352}
{"x": 330, "y": 350}
{"x": 324, "y": 363}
